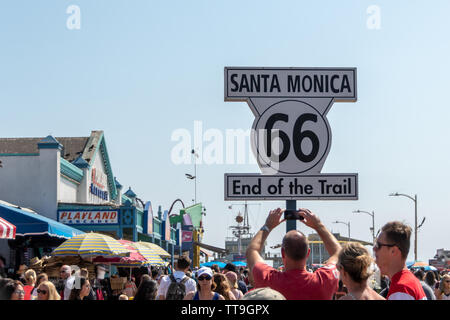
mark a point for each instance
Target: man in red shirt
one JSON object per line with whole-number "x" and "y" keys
{"x": 295, "y": 282}
{"x": 391, "y": 250}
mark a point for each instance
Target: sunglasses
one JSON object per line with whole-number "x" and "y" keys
{"x": 42, "y": 291}
{"x": 19, "y": 292}
{"x": 378, "y": 245}
{"x": 201, "y": 278}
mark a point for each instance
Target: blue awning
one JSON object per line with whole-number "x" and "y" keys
{"x": 29, "y": 224}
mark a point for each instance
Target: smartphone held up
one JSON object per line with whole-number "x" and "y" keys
{"x": 290, "y": 214}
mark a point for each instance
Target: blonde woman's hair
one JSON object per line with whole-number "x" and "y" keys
{"x": 233, "y": 283}
{"x": 355, "y": 260}
{"x": 52, "y": 293}
{"x": 30, "y": 275}
{"x": 222, "y": 285}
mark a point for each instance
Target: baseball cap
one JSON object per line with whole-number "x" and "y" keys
{"x": 263, "y": 294}
{"x": 204, "y": 270}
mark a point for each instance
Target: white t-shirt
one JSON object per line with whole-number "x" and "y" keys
{"x": 68, "y": 286}
{"x": 179, "y": 275}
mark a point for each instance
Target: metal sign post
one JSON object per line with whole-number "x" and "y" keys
{"x": 291, "y": 224}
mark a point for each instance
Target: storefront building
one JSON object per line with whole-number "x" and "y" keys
{"x": 70, "y": 180}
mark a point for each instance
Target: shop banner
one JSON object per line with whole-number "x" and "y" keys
{"x": 88, "y": 217}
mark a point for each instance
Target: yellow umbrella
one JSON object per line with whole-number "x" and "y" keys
{"x": 154, "y": 247}
{"x": 152, "y": 257}
{"x": 91, "y": 244}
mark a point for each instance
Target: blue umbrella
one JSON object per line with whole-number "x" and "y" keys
{"x": 239, "y": 263}
{"x": 206, "y": 264}
{"x": 209, "y": 264}
{"x": 426, "y": 268}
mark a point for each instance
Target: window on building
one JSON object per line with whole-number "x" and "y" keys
{"x": 127, "y": 234}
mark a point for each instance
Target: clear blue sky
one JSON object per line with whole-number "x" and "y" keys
{"x": 141, "y": 69}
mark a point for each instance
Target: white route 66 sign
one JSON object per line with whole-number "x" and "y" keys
{"x": 290, "y": 134}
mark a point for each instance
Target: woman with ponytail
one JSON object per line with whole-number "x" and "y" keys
{"x": 354, "y": 267}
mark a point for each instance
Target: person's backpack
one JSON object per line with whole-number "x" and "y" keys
{"x": 177, "y": 290}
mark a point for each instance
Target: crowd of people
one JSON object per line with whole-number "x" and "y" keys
{"x": 230, "y": 283}
{"x": 345, "y": 275}
{"x": 348, "y": 269}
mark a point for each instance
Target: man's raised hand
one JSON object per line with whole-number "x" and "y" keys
{"x": 310, "y": 219}
{"x": 273, "y": 219}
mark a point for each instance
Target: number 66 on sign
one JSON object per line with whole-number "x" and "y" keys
{"x": 291, "y": 134}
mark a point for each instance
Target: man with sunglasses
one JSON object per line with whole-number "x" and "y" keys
{"x": 391, "y": 250}
{"x": 65, "y": 273}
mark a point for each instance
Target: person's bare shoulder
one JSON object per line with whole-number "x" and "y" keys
{"x": 376, "y": 296}
{"x": 346, "y": 297}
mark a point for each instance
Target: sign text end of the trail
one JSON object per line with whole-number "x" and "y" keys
{"x": 340, "y": 186}
{"x": 290, "y": 136}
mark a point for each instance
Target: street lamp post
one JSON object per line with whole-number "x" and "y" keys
{"x": 194, "y": 177}
{"x": 415, "y": 218}
{"x": 348, "y": 226}
{"x": 195, "y": 173}
{"x": 373, "y": 221}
